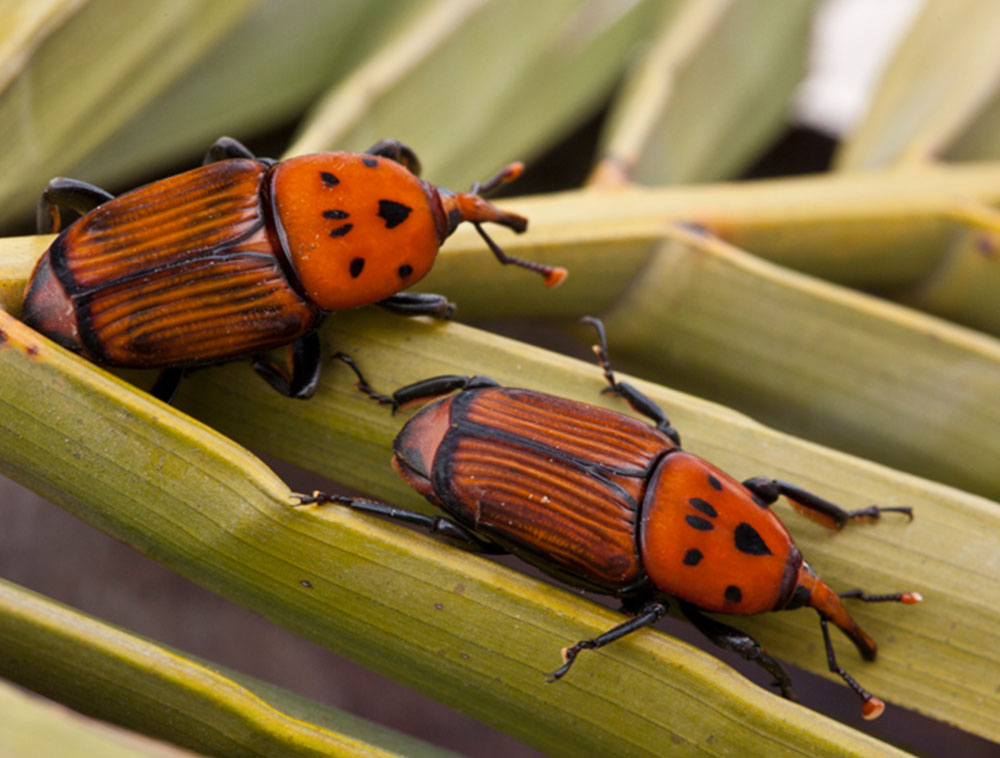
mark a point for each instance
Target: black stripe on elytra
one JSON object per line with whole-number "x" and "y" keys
{"x": 335, "y": 214}
{"x": 394, "y": 213}
{"x": 329, "y": 179}
{"x": 206, "y": 262}
{"x": 462, "y": 427}
{"x": 697, "y": 522}
{"x": 279, "y": 241}
{"x": 716, "y": 484}
{"x": 692, "y": 557}
{"x": 703, "y": 506}
{"x": 749, "y": 541}
{"x": 341, "y": 230}
{"x": 370, "y": 162}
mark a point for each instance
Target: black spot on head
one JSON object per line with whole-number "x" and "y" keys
{"x": 699, "y": 523}
{"x": 733, "y": 594}
{"x": 370, "y": 162}
{"x": 405, "y": 270}
{"x": 716, "y": 484}
{"x": 692, "y": 557}
{"x": 335, "y": 213}
{"x": 357, "y": 266}
{"x": 394, "y": 213}
{"x": 703, "y": 506}
{"x": 329, "y": 179}
{"x": 341, "y": 230}
{"x": 749, "y": 541}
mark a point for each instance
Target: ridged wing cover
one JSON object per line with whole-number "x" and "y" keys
{"x": 556, "y": 481}
{"x": 181, "y": 271}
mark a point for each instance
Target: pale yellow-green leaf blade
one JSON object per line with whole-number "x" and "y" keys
{"x": 265, "y": 70}
{"x": 473, "y": 85}
{"x": 119, "y": 677}
{"x": 965, "y": 286}
{"x": 89, "y": 74}
{"x": 23, "y": 26}
{"x": 712, "y": 89}
{"x": 475, "y": 635}
{"x": 31, "y": 727}
{"x": 944, "y": 72}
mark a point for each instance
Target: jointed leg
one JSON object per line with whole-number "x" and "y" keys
{"x": 650, "y": 614}
{"x": 813, "y": 507}
{"x": 438, "y": 526}
{"x": 225, "y": 148}
{"x": 422, "y": 390}
{"x": 66, "y": 193}
{"x": 397, "y": 151}
{"x": 419, "y": 304}
{"x": 306, "y": 369}
{"x": 731, "y": 638}
{"x": 639, "y": 402}
{"x": 166, "y": 384}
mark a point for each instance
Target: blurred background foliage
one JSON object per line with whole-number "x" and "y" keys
{"x": 857, "y": 307}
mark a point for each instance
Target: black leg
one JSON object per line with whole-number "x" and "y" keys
{"x": 649, "y": 614}
{"x": 225, "y": 148}
{"x": 639, "y": 402}
{"x": 306, "y": 369}
{"x": 422, "y": 390}
{"x": 362, "y": 384}
{"x": 66, "y": 193}
{"x": 731, "y": 638}
{"x": 438, "y": 526}
{"x": 871, "y": 707}
{"x": 814, "y": 507}
{"x": 419, "y": 304}
{"x": 437, "y": 386}
{"x": 166, "y": 384}
{"x": 397, "y": 151}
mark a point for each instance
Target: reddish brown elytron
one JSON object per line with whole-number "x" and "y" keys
{"x": 244, "y": 255}
{"x": 611, "y": 504}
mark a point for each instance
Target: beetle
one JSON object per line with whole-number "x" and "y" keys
{"x": 246, "y": 254}
{"x": 607, "y": 503}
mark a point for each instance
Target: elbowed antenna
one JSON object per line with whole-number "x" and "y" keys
{"x": 830, "y": 608}
{"x": 471, "y": 207}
